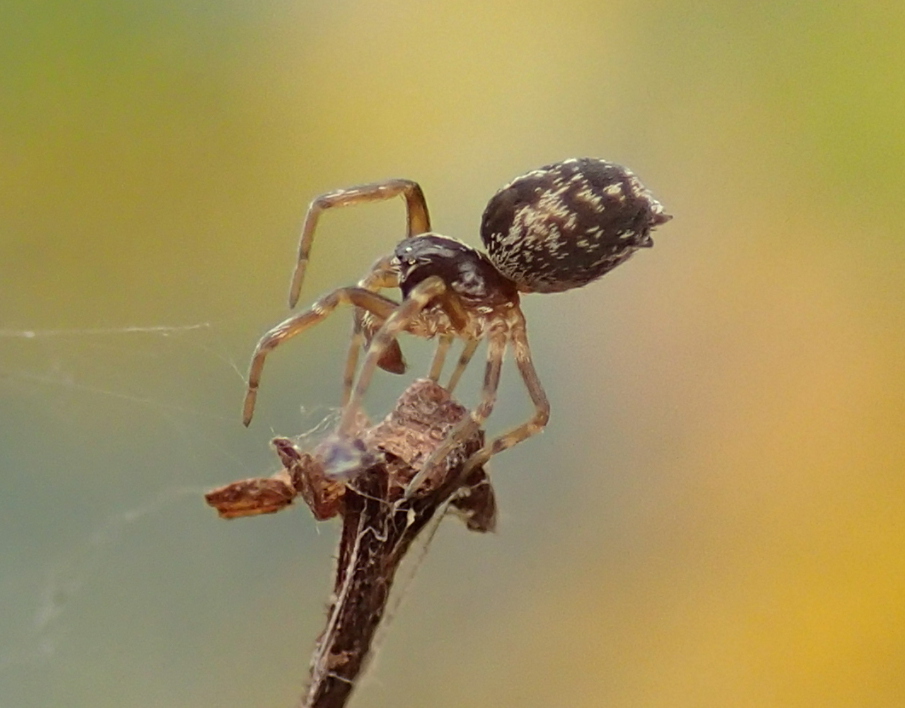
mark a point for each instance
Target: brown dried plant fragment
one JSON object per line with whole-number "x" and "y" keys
{"x": 380, "y": 520}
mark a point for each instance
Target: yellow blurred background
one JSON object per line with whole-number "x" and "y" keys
{"x": 716, "y": 513}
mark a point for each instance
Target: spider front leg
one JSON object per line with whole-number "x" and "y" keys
{"x": 381, "y": 306}
{"x": 365, "y": 325}
{"x": 418, "y": 219}
{"x": 418, "y": 298}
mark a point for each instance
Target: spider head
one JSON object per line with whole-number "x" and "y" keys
{"x": 567, "y": 224}
{"x": 466, "y": 271}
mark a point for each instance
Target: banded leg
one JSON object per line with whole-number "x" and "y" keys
{"x": 391, "y": 359}
{"x": 496, "y": 347}
{"x": 356, "y": 342}
{"x": 537, "y": 422}
{"x": 471, "y": 347}
{"x": 419, "y": 298}
{"x": 381, "y": 306}
{"x": 443, "y": 346}
{"x": 418, "y": 219}
{"x": 364, "y": 326}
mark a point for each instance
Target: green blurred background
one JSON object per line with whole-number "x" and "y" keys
{"x": 716, "y": 513}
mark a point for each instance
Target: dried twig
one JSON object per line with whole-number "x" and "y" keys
{"x": 379, "y": 523}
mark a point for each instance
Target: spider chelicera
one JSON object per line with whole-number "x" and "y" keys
{"x": 555, "y": 228}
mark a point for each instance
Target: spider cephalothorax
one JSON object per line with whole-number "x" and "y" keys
{"x": 468, "y": 273}
{"x": 555, "y": 228}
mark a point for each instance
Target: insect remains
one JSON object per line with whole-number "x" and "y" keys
{"x": 555, "y": 228}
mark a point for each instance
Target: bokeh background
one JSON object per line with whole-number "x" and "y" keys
{"x": 716, "y": 513}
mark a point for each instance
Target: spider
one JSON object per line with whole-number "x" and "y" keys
{"x": 553, "y": 229}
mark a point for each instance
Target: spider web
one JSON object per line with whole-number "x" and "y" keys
{"x": 108, "y": 439}
{"x": 113, "y": 435}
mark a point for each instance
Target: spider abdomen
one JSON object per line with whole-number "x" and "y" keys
{"x": 566, "y": 224}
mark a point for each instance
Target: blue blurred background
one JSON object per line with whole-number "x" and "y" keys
{"x": 716, "y": 513}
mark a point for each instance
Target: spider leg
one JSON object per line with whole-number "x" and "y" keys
{"x": 418, "y": 219}
{"x": 396, "y": 322}
{"x": 471, "y": 347}
{"x": 381, "y": 306}
{"x": 381, "y": 275}
{"x": 364, "y": 327}
{"x": 391, "y": 360}
{"x": 496, "y": 347}
{"x": 443, "y": 346}
{"x": 537, "y": 422}
{"x": 367, "y": 325}
{"x": 356, "y": 341}
{"x": 455, "y": 310}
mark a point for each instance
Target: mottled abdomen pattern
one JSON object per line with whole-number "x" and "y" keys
{"x": 566, "y": 224}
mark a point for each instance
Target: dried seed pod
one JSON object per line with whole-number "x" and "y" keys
{"x": 566, "y": 224}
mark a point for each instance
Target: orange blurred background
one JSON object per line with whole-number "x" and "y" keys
{"x": 714, "y": 516}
